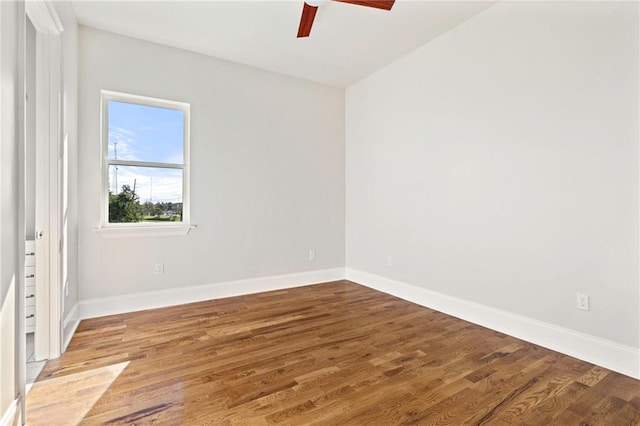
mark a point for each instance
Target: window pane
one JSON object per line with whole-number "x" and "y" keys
{"x": 144, "y": 194}
{"x": 145, "y": 133}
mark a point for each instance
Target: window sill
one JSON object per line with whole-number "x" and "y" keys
{"x": 144, "y": 231}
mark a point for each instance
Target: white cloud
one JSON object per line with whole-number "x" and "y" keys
{"x": 125, "y": 141}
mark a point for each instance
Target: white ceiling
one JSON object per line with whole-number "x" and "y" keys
{"x": 347, "y": 42}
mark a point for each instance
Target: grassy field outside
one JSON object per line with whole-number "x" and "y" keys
{"x": 162, "y": 218}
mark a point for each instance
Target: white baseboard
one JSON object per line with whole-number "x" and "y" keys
{"x": 69, "y": 327}
{"x": 614, "y": 356}
{"x": 93, "y": 308}
{"x": 11, "y": 416}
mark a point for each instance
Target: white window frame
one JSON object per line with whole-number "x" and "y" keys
{"x": 142, "y": 228}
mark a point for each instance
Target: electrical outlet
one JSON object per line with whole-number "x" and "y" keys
{"x": 158, "y": 268}
{"x": 389, "y": 261}
{"x": 312, "y": 255}
{"x": 582, "y": 301}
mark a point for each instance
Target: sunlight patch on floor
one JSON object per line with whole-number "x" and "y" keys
{"x": 66, "y": 400}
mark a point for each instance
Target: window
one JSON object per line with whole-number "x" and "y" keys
{"x": 145, "y": 162}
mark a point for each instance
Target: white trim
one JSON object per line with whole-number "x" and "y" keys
{"x": 55, "y": 196}
{"x": 185, "y": 108}
{"x": 93, "y": 308}
{"x": 48, "y": 26}
{"x": 144, "y": 230}
{"x": 614, "y": 356}
{"x": 145, "y": 100}
{"x": 43, "y": 16}
{"x": 10, "y": 415}
{"x": 638, "y": 236}
{"x": 69, "y": 326}
{"x": 136, "y": 163}
{"x": 20, "y": 359}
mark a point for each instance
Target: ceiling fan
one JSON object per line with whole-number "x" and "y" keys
{"x": 311, "y": 7}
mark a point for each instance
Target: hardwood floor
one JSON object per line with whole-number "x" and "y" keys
{"x": 334, "y": 353}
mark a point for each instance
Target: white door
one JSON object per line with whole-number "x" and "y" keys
{"x": 48, "y": 180}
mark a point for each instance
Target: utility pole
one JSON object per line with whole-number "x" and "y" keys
{"x": 115, "y": 149}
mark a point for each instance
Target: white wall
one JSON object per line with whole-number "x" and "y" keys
{"x": 267, "y": 170}
{"x": 9, "y": 15}
{"x": 499, "y": 164}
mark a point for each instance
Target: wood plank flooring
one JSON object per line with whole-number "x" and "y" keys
{"x": 334, "y": 353}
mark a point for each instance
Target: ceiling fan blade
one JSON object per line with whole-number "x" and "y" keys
{"x": 378, "y": 4}
{"x": 306, "y": 20}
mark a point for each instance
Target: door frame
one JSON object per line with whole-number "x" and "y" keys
{"x": 48, "y": 126}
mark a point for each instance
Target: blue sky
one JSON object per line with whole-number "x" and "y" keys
{"x": 144, "y": 133}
